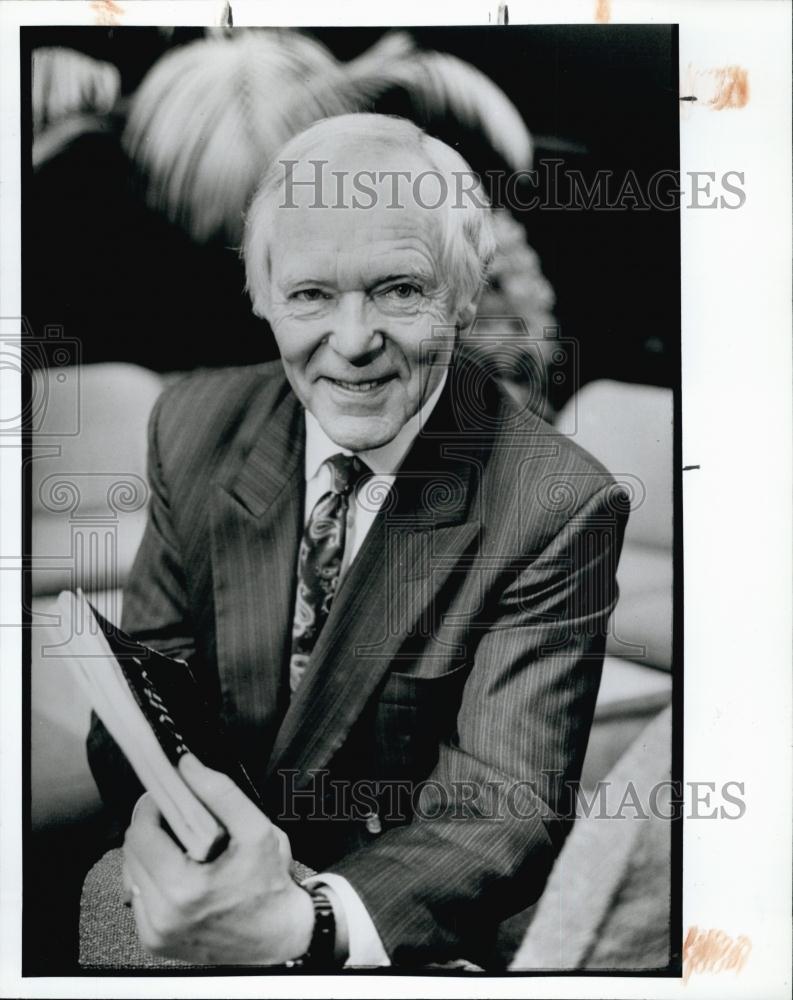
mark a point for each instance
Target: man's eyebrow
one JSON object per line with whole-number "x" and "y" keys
{"x": 415, "y": 269}
{"x": 300, "y": 279}
{"x": 416, "y": 272}
{"x": 409, "y": 269}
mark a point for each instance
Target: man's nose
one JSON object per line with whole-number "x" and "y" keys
{"x": 354, "y": 335}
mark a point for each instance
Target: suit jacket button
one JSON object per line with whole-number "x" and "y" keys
{"x": 373, "y": 824}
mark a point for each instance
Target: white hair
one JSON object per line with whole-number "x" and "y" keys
{"x": 467, "y": 242}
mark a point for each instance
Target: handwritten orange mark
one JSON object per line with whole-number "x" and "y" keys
{"x": 108, "y": 12}
{"x": 713, "y": 951}
{"x": 603, "y": 11}
{"x": 732, "y": 88}
{"x": 720, "y": 89}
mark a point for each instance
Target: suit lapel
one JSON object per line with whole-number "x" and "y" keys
{"x": 417, "y": 538}
{"x": 257, "y": 513}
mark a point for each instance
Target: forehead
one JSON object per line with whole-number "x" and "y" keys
{"x": 348, "y": 217}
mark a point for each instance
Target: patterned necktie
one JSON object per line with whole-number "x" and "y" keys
{"x": 319, "y": 562}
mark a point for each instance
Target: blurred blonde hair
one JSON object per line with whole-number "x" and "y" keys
{"x": 467, "y": 241}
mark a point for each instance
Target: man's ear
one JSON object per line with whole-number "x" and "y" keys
{"x": 261, "y": 309}
{"x": 261, "y": 294}
{"x": 466, "y": 313}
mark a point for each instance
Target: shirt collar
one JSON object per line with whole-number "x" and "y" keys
{"x": 382, "y": 461}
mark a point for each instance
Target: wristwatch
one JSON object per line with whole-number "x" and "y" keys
{"x": 321, "y": 954}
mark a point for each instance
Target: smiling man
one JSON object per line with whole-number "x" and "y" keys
{"x": 355, "y": 295}
{"x": 392, "y": 584}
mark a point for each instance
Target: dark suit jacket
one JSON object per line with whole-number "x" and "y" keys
{"x": 452, "y": 688}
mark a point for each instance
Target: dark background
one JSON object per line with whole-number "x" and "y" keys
{"x": 131, "y": 286}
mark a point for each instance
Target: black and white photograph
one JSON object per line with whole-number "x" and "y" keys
{"x": 352, "y": 483}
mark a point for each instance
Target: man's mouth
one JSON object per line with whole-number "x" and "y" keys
{"x": 370, "y": 385}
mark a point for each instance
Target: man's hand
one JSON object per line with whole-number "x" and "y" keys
{"x": 241, "y": 909}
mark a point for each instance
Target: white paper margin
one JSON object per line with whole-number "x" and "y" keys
{"x": 736, "y": 298}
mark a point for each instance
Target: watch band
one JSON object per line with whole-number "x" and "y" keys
{"x": 321, "y": 952}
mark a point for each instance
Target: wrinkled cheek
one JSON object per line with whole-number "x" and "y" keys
{"x": 429, "y": 320}
{"x": 437, "y": 323}
{"x": 430, "y": 339}
{"x": 296, "y": 342}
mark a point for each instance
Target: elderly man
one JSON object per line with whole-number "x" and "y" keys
{"x": 392, "y": 584}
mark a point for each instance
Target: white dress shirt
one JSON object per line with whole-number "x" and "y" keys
{"x": 365, "y": 946}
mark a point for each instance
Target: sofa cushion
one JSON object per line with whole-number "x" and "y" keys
{"x": 88, "y": 473}
{"x": 641, "y": 626}
{"x": 62, "y": 788}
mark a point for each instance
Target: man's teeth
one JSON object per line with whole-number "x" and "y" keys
{"x": 359, "y": 386}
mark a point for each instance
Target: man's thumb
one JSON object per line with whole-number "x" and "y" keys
{"x": 220, "y": 795}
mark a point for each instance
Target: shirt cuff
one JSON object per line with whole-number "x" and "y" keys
{"x": 366, "y": 948}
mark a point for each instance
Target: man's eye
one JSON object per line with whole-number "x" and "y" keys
{"x": 310, "y": 295}
{"x": 404, "y": 290}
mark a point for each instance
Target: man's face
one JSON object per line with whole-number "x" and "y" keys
{"x": 355, "y": 296}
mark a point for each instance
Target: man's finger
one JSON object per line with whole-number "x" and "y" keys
{"x": 149, "y": 897}
{"x": 147, "y": 936}
{"x": 126, "y": 885}
{"x": 153, "y": 848}
{"x": 126, "y": 881}
{"x": 147, "y": 796}
{"x": 223, "y": 798}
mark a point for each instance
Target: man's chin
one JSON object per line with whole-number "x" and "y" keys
{"x": 359, "y": 433}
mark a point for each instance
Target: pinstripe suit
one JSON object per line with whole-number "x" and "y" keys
{"x": 451, "y": 691}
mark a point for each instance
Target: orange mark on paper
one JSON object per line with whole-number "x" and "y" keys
{"x": 720, "y": 89}
{"x": 713, "y": 951}
{"x": 108, "y": 12}
{"x": 603, "y": 11}
{"x": 732, "y": 88}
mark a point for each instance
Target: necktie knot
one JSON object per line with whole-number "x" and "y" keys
{"x": 346, "y": 472}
